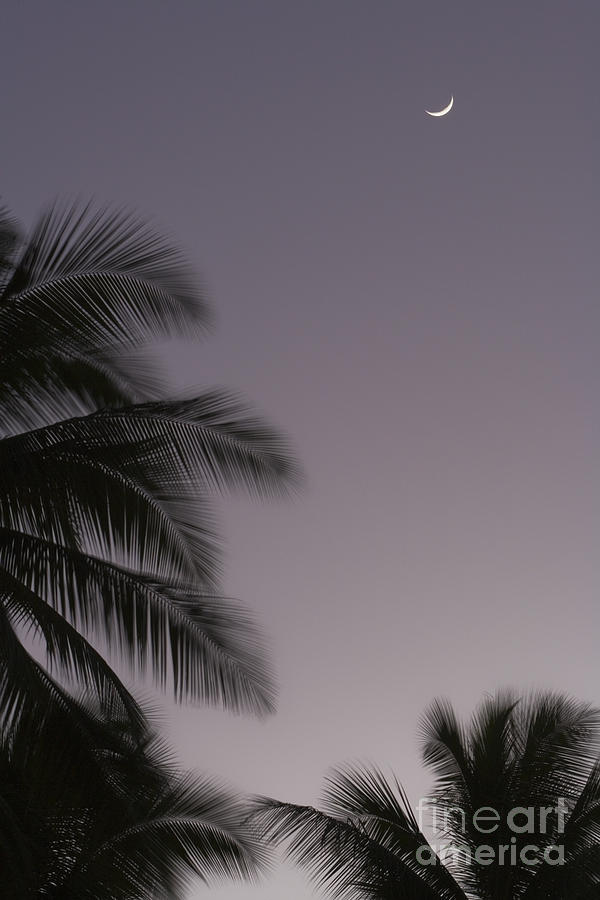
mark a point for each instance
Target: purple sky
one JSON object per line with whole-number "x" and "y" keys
{"x": 414, "y": 300}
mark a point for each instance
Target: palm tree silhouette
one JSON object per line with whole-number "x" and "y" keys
{"x": 515, "y": 811}
{"x": 109, "y": 815}
{"x": 106, "y": 529}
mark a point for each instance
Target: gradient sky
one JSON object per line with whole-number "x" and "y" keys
{"x": 413, "y": 300}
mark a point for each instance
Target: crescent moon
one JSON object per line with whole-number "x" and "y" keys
{"x": 442, "y": 112}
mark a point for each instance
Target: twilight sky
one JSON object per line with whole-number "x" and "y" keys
{"x": 414, "y": 300}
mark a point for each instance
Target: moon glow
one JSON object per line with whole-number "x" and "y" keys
{"x": 442, "y": 112}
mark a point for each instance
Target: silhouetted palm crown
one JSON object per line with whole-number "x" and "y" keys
{"x": 494, "y": 777}
{"x": 111, "y": 816}
{"x": 105, "y": 519}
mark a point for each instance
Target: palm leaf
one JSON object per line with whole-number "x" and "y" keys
{"x": 348, "y": 861}
{"x": 121, "y": 822}
{"x": 9, "y": 238}
{"x": 67, "y": 652}
{"x": 209, "y": 646}
{"x": 70, "y": 240}
{"x": 106, "y": 517}
{"x": 87, "y": 287}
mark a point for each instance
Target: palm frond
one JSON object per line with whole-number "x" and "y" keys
{"x": 90, "y": 311}
{"x": 364, "y": 792}
{"x": 105, "y": 501}
{"x": 194, "y": 828}
{"x": 535, "y": 756}
{"x": 346, "y": 860}
{"x": 444, "y": 744}
{"x": 67, "y": 651}
{"x": 211, "y": 440}
{"x": 81, "y": 501}
{"x": 32, "y": 702}
{"x": 39, "y": 390}
{"x": 132, "y": 484}
{"x": 557, "y": 741}
{"x": 123, "y": 822}
{"x": 9, "y": 239}
{"x": 105, "y": 517}
{"x": 70, "y": 239}
{"x": 87, "y": 286}
{"x": 209, "y": 646}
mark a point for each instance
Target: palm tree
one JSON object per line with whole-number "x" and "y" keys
{"x": 106, "y": 528}
{"x": 515, "y": 811}
{"x": 110, "y": 816}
